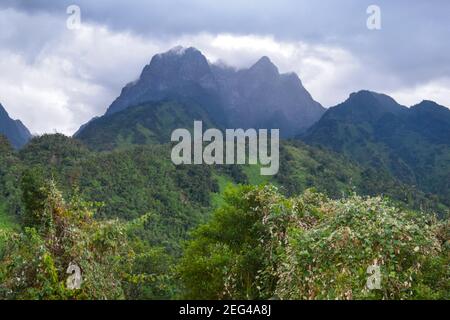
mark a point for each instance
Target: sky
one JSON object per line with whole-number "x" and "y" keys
{"x": 55, "y": 78}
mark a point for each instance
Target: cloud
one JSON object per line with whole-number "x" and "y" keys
{"x": 437, "y": 90}
{"x": 62, "y": 82}
{"x": 321, "y": 68}
{"x": 413, "y": 41}
{"x": 71, "y": 76}
{"x": 56, "y": 79}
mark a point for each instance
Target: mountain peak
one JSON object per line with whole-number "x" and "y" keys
{"x": 374, "y": 100}
{"x": 177, "y": 50}
{"x": 264, "y": 64}
{"x": 175, "y": 68}
{"x": 431, "y": 108}
{"x": 180, "y": 50}
{"x": 258, "y": 96}
{"x": 179, "y": 55}
{"x": 429, "y": 104}
{"x": 3, "y": 111}
{"x": 265, "y": 60}
{"x": 366, "y": 94}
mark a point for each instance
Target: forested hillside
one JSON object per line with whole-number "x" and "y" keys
{"x": 369, "y": 186}
{"x": 132, "y": 211}
{"x": 224, "y": 150}
{"x": 412, "y": 144}
{"x": 148, "y": 123}
{"x": 262, "y": 245}
{"x": 112, "y": 202}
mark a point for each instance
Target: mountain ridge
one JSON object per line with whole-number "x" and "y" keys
{"x": 254, "y": 97}
{"x": 413, "y": 144}
{"x": 16, "y": 132}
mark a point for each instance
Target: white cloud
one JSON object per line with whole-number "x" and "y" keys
{"x": 63, "y": 78}
{"x": 68, "y": 78}
{"x": 76, "y": 74}
{"x": 437, "y": 91}
{"x": 329, "y": 73}
{"x": 322, "y": 69}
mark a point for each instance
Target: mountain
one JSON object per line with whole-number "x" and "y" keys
{"x": 14, "y": 130}
{"x": 148, "y": 123}
{"x": 257, "y": 97}
{"x": 413, "y": 144}
{"x": 180, "y": 74}
{"x": 261, "y": 97}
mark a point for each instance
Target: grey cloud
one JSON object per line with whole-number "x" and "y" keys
{"x": 413, "y": 41}
{"x": 409, "y": 52}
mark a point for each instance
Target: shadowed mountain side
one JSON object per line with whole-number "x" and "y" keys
{"x": 413, "y": 144}
{"x": 14, "y": 130}
{"x": 257, "y": 97}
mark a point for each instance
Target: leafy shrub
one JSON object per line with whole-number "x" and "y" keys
{"x": 33, "y": 263}
{"x": 260, "y": 245}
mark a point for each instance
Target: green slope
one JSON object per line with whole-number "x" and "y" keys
{"x": 411, "y": 144}
{"x": 148, "y": 123}
{"x": 136, "y": 180}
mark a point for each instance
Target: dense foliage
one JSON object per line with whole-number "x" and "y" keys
{"x": 411, "y": 144}
{"x": 261, "y": 245}
{"x": 34, "y": 261}
{"x": 127, "y": 235}
{"x": 303, "y": 167}
{"x": 114, "y": 261}
{"x": 151, "y": 122}
{"x": 367, "y": 196}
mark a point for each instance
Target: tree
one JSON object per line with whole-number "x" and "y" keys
{"x": 226, "y": 256}
{"x": 261, "y": 245}
{"x": 33, "y": 263}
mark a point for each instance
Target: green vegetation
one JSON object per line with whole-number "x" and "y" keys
{"x": 369, "y": 191}
{"x": 6, "y": 221}
{"x": 143, "y": 124}
{"x": 303, "y": 167}
{"x": 410, "y": 144}
{"x": 115, "y": 262}
{"x": 129, "y": 213}
{"x": 33, "y": 263}
{"x": 261, "y": 245}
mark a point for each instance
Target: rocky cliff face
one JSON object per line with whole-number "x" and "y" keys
{"x": 261, "y": 97}
{"x": 257, "y": 97}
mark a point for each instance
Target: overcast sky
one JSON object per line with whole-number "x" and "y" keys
{"x": 54, "y": 79}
